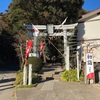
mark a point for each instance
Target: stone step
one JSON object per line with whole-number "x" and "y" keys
{"x": 51, "y": 72}
{"x": 57, "y": 77}
{"x": 47, "y": 75}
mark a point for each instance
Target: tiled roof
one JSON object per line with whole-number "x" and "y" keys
{"x": 88, "y": 15}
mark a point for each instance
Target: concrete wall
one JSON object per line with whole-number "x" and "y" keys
{"x": 90, "y": 29}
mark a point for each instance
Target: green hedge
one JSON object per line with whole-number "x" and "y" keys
{"x": 69, "y": 75}
{"x": 19, "y": 78}
{"x": 36, "y": 62}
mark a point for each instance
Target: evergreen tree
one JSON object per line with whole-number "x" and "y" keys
{"x": 39, "y": 12}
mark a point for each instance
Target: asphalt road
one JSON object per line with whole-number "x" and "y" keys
{"x": 6, "y": 85}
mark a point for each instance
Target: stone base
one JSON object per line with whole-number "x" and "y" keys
{"x": 91, "y": 81}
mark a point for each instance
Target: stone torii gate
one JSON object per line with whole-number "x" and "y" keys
{"x": 50, "y": 32}
{"x": 50, "y": 28}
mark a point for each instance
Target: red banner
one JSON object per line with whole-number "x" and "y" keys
{"x": 41, "y": 47}
{"x": 28, "y": 48}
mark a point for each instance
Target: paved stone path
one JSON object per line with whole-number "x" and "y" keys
{"x": 48, "y": 85}
{"x": 6, "y": 85}
{"x": 52, "y": 88}
{"x": 61, "y": 91}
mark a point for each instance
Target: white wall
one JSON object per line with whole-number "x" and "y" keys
{"x": 90, "y": 29}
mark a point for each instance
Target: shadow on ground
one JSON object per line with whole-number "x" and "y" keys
{"x": 7, "y": 80}
{"x": 9, "y": 67}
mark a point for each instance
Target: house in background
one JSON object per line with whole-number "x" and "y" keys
{"x": 88, "y": 36}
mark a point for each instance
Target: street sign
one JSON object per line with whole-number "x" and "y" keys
{"x": 89, "y": 66}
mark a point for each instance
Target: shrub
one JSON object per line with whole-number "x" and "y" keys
{"x": 35, "y": 78}
{"x": 81, "y": 75}
{"x": 19, "y": 78}
{"x": 70, "y": 75}
{"x": 36, "y": 62}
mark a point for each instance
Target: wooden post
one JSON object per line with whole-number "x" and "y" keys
{"x": 25, "y": 75}
{"x": 77, "y": 65}
{"x": 85, "y": 80}
{"x": 44, "y": 56}
{"x": 30, "y": 75}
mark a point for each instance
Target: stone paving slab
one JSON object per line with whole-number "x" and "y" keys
{"x": 7, "y": 95}
{"x": 55, "y": 89}
{"x": 6, "y": 85}
{"x": 48, "y": 85}
{"x": 61, "y": 91}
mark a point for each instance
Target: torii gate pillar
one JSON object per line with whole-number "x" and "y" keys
{"x": 66, "y": 50}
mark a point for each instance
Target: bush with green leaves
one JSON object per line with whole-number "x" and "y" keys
{"x": 35, "y": 78}
{"x": 36, "y": 62}
{"x": 70, "y": 75}
{"x": 81, "y": 75}
{"x": 19, "y": 78}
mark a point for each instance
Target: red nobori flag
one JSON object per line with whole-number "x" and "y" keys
{"x": 28, "y": 48}
{"x": 41, "y": 47}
